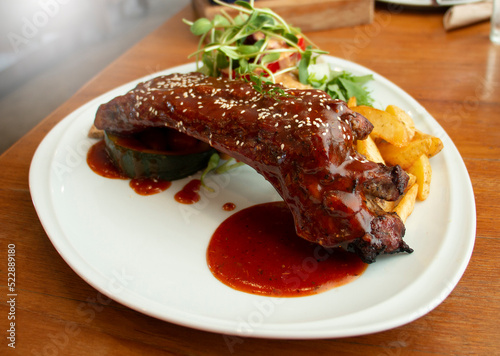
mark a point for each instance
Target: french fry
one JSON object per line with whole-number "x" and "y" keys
{"x": 407, "y": 203}
{"x": 403, "y": 117}
{"x": 436, "y": 145}
{"x": 385, "y": 205}
{"x": 395, "y": 141}
{"x": 352, "y": 102}
{"x": 369, "y": 149}
{"x": 422, "y": 170}
{"x": 407, "y": 155}
{"x": 386, "y": 125}
{"x": 412, "y": 180}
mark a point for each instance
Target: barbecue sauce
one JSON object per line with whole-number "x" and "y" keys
{"x": 229, "y": 207}
{"x": 257, "y": 251}
{"x": 149, "y": 186}
{"x": 189, "y": 194}
{"x": 99, "y": 161}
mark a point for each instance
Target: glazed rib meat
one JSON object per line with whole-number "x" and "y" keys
{"x": 302, "y": 142}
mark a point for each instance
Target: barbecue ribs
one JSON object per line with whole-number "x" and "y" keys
{"x": 301, "y": 141}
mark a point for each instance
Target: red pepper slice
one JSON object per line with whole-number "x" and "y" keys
{"x": 282, "y": 62}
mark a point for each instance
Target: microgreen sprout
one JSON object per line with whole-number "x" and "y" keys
{"x": 213, "y": 166}
{"x": 213, "y": 162}
{"x": 226, "y": 44}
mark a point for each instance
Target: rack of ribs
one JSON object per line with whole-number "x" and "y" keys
{"x": 302, "y": 141}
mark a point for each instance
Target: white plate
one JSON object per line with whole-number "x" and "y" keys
{"x": 148, "y": 253}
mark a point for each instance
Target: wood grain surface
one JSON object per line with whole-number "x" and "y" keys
{"x": 454, "y": 75}
{"x": 307, "y": 15}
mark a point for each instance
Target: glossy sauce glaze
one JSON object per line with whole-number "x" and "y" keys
{"x": 99, "y": 161}
{"x": 149, "y": 186}
{"x": 257, "y": 251}
{"x": 189, "y": 194}
{"x": 229, "y": 207}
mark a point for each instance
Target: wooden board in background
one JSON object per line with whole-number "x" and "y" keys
{"x": 312, "y": 15}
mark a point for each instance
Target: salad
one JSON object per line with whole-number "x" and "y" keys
{"x": 259, "y": 45}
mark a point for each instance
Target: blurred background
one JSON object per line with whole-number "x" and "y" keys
{"x": 51, "y": 48}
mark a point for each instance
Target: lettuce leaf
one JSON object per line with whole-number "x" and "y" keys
{"x": 340, "y": 84}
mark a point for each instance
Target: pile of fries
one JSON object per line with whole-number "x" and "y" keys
{"x": 395, "y": 140}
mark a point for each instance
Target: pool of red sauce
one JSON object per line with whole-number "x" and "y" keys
{"x": 256, "y": 250}
{"x": 100, "y": 162}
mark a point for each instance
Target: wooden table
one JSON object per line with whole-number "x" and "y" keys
{"x": 454, "y": 75}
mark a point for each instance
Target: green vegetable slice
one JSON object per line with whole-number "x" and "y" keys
{"x": 135, "y": 159}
